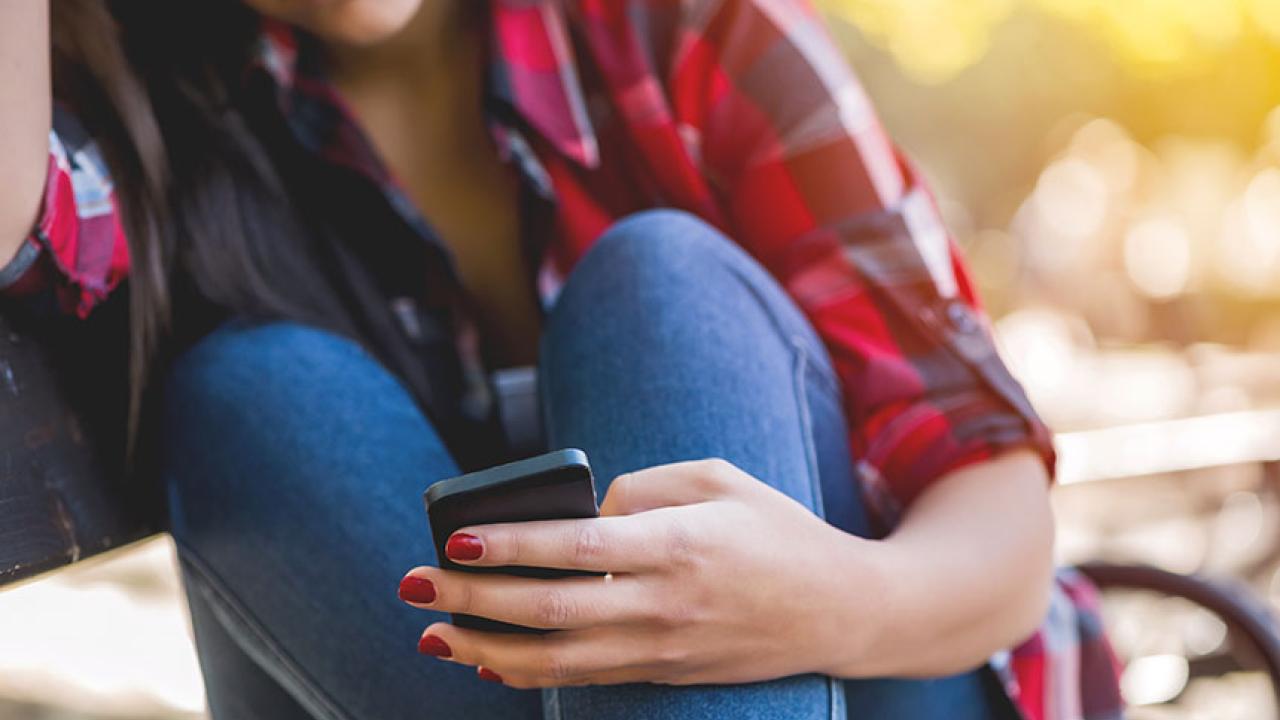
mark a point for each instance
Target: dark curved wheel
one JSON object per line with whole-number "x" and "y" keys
{"x": 1247, "y": 618}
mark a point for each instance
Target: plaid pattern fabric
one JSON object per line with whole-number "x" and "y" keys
{"x": 79, "y": 234}
{"x": 744, "y": 113}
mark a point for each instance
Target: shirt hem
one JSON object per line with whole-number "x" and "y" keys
{"x": 16, "y": 268}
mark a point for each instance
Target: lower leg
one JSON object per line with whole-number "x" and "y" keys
{"x": 669, "y": 344}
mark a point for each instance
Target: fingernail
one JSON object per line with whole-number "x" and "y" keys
{"x": 487, "y": 674}
{"x": 417, "y": 590}
{"x": 432, "y": 645}
{"x": 462, "y": 546}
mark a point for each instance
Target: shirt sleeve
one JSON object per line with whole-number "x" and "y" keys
{"x": 77, "y": 249}
{"x": 812, "y": 186}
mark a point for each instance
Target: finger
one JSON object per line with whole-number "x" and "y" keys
{"x": 682, "y": 483}
{"x": 558, "y": 659}
{"x": 617, "y": 544}
{"x": 573, "y": 602}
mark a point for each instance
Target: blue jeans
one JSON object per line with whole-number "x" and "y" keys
{"x": 295, "y": 466}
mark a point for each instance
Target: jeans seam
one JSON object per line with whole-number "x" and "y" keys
{"x": 551, "y": 709}
{"x": 305, "y": 690}
{"x": 835, "y": 690}
{"x": 835, "y": 686}
{"x": 799, "y": 381}
{"x": 824, "y": 373}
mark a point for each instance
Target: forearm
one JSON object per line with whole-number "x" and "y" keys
{"x": 25, "y": 109}
{"x": 966, "y": 574}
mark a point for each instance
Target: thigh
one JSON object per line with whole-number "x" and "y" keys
{"x": 295, "y": 467}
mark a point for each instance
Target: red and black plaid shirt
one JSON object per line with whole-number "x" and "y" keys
{"x": 744, "y": 113}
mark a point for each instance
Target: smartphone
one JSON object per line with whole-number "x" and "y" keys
{"x": 554, "y": 486}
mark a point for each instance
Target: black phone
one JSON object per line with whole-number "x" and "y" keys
{"x": 554, "y": 486}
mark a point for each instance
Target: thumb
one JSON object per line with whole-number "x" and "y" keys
{"x": 682, "y": 483}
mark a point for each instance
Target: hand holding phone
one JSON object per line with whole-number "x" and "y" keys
{"x": 555, "y": 486}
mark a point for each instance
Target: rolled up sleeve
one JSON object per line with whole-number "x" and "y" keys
{"x": 77, "y": 248}
{"x": 812, "y": 186}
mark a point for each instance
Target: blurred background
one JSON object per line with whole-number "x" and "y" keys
{"x": 1112, "y": 168}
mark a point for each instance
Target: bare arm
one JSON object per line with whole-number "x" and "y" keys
{"x": 718, "y": 578}
{"x": 25, "y": 116}
{"x": 969, "y": 571}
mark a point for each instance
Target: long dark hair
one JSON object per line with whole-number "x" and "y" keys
{"x": 156, "y": 84}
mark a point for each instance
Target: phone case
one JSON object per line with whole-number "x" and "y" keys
{"x": 557, "y": 485}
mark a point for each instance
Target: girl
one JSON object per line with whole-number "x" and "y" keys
{"x": 339, "y": 219}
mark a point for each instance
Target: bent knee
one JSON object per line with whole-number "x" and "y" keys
{"x": 260, "y": 389}
{"x": 243, "y": 370}
{"x": 657, "y": 260}
{"x": 666, "y": 266}
{"x": 661, "y": 239}
{"x": 257, "y": 414}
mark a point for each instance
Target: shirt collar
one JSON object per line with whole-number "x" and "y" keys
{"x": 277, "y": 53}
{"x": 532, "y": 70}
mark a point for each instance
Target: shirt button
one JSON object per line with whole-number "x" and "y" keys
{"x": 405, "y": 310}
{"x": 962, "y": 318}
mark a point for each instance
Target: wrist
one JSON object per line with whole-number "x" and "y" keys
{"x": 874, "y": 616}
{"x": 896, "y": 610}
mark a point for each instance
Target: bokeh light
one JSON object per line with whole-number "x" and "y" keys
{"x": 1113, "y": 169}
{"x": 934, "y": 40}
{"x": 1154, "y": 679}
{"x": 1157, "y": 256}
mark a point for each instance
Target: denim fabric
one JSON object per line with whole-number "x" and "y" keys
{"x": 295, "y": 466}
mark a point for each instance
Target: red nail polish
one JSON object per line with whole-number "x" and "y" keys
{"x": 432, "y": 645}
{"x": 417, "y": 590}
{"x": 487, "y": 674}
{"x": 462, "y": 546}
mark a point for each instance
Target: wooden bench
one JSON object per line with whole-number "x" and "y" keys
{"x": 57, "y": 503}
